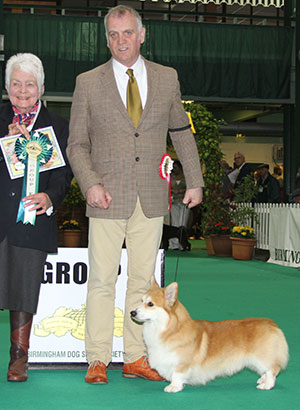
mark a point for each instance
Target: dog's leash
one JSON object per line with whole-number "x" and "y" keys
{"x": 165, "y": 168}
{"x": 180, "y": 239}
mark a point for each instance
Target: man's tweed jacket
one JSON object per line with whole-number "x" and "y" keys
{"x": 104, "y": 147}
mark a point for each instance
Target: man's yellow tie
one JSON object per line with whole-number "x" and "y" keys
{"x": 134, "y": 104}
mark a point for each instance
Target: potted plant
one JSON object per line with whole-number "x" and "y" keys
{"x": 244, "y": 212}
{"x": 72, "y": 233}
{"x": 72, "y": 204}
{"x": 215, "y": 207}
{"x": 243, "y": 241}
{"x": 244, "y": 215}
{"x": 70, "y": 225}
{"x": 220, "y": 237}
{"x": 73, "y": 200}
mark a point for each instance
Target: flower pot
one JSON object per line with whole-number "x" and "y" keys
{"x": 72, "y": 238}
{"x": 242, "y": 249}
{"x": 209, "y": 246}
{"x": 222, "y": 245}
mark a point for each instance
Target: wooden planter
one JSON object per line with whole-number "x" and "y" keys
{"x": 242, "y": 249}
{"x": 72, "y": 238}
{"x": 209, "y": 246}
{"x": 222, "y": 245}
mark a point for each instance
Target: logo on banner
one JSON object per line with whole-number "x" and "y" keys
{"x": 287, "y": 255}
{"x": 66, "y": 320}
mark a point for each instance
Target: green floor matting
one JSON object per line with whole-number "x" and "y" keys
{"x": 211, "y": 288}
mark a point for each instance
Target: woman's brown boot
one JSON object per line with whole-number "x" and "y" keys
{"x": 20, "y": 326}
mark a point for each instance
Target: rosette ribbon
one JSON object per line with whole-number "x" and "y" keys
{"x": 32, "y": 153}
{"x": 165, "y": 168}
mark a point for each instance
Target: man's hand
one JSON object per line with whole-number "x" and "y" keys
{"x": 98, "y": 197}
{"x": 192, "y": 197}
{"x": 39, "y": 202}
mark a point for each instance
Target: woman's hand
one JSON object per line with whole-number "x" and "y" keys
{"x": 39, "y": 202}
{"x": 16, "y": 128}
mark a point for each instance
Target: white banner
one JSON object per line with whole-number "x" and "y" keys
{"x": 58, "y": 327}
{"x": 284, "y": 237}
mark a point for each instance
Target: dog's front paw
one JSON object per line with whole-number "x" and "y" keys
{"x": 171, "y": 388}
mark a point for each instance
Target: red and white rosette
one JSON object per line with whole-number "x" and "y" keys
{"x": 165, "y": 168}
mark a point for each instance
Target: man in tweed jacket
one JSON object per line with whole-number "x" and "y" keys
{"x": 117, "y": 167}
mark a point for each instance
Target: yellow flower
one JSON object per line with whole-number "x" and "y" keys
{"x": 70, "y": 224}
{"x": 243, "y": 232}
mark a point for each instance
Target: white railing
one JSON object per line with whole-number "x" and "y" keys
{"x": 262, "y": 226}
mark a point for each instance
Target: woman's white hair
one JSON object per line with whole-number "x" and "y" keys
{"x": 120, "y": 11}
{"x": 27, "y": 62}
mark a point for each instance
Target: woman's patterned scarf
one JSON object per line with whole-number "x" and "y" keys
{"x": 26, "y": 118}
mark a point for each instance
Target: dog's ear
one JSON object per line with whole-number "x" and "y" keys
{"x": 154, "y": 284}
{"x": 171, "y": 293}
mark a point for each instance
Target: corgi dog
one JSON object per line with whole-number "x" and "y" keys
{"x": 186, "y": 351}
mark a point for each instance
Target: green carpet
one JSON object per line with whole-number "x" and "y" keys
{"x": 211, "y": 288}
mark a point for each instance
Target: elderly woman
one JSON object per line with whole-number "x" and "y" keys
{"x": 24, "y": 247}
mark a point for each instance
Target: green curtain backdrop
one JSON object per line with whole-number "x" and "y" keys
{"x": 66, "y": 45}
{"x": 213, "y": 60}
{"x": 225, "y": 60}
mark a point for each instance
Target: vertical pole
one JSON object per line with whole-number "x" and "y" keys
{"x": 289, "y": 174}
{"x": 295, "y": 143}
{"x": 1, "y": 49}
{"x": 224, "y": 11}
{"x": 290, "y": 113}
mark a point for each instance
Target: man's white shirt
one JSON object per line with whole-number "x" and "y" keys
{"x": 140, "y": 73}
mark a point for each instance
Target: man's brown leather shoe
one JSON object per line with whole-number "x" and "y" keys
{"x": 96, "y": 373}
{"x": 141, "y": 368}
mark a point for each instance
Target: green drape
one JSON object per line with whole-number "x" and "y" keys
{"x": 213, "y": 60}
{"x": 66, "y": 45}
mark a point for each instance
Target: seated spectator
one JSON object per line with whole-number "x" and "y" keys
{"x": 227, "y": 187}
{"x": 268, "y": 186}
{"x": 297, "y": 181}
{"x": 277, "y": 173}
{"x": 242, "y": 169}
{"x": 295, "y": 196}
{"x": 179, "y": 211}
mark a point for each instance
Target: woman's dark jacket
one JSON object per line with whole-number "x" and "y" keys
{"x": 43, "y": 235}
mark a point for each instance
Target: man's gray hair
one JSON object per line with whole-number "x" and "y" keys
{"x": 120, "y": 11}
{"x": 27, "y": 62}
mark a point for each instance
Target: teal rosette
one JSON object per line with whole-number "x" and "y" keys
{"x": 42, "y": 139}
{"x": 33, "y": 153}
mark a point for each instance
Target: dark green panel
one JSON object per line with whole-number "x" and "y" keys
{"x": 213, "y": 60}
{"x": 232, "y": 61}
{"x": 61, "y": 108}
{"x": 66, "y": 45}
